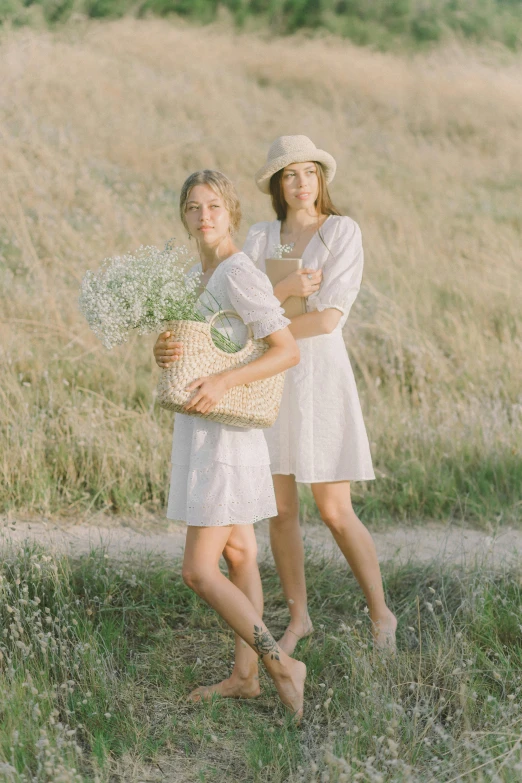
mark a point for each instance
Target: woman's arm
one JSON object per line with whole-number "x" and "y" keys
{"x": 282, "y": 353}
{"x": 299, "y": 284}
{"x": 342, "y": 274}
{"x": 315, "y": 323}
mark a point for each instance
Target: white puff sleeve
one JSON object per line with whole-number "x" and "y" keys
{"x": 252, "y": 296}
{"x": 255, "y": 244}
{"x": 342, "y": 271}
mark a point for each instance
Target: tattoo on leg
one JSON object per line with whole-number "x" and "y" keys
{"x": 265, "y": 643}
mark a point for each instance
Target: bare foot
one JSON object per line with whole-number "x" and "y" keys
{"x": 290, "y": 687}
{"x": 294, "y": 634}
{"x": 383, "y": 631}
{"x": 233, "y": 688}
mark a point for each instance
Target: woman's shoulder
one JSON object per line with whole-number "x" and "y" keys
{"x": 239, "y": 260}
{"x": 242, "y": 270}
{"x": 343, "y": 224}
{"x": 257, "y": 240}
{"x": 258, "y": 229}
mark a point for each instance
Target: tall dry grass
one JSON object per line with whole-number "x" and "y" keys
{"x": 100, "y": 124}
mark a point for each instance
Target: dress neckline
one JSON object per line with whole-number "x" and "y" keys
{"x": 312, "y": 238}
{"x": 239, "y": 252}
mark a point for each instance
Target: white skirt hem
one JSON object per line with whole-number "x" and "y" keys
{"x": 322, "y": 480}
{"x": 221, "y": 524}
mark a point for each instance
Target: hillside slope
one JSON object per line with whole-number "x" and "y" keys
{"x": 100, "y": 124}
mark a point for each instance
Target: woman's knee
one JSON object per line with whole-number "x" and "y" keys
{"x": 240, "y": 556}
{"x": 287, "y": 511}
{"x": 198, "y": 579}
{"x": 336, "y": 518}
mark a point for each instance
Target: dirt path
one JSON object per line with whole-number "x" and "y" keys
{"x": 447, "y": 543}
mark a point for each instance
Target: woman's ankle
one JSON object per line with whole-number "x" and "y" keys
{"x": 245, "y": 674}
{"x": 300, "y": 622}
{"x": 383, "y": 614}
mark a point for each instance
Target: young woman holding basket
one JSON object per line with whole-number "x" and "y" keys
{"x": 319, "y": 437}
{"x": 221, "y": 482}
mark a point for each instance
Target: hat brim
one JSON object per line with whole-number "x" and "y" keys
{"x": 267, "y": 171}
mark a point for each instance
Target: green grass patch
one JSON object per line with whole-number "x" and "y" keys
{"x": 384, "y": 24}
{"x": 98, "y": 656}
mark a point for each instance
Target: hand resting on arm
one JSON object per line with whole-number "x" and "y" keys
{"x": 309, "y": 324}
{"x": 282, "y": 353}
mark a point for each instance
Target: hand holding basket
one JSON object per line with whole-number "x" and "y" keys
{"x": 253, "y": 404}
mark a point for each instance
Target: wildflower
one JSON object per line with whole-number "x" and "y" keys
{"x": 279, "y": 250}
{"x": 143, "y": 291}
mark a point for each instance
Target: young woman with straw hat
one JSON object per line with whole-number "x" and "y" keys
{"x": 221, "y": 482}
{"x": 319, "y": 437}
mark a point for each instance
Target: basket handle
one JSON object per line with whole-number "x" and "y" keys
{"x": 231, "y": 314}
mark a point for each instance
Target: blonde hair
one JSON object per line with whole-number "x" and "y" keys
{"x": 221, "y": 185}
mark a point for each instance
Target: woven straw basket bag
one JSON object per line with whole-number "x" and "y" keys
{"x": 250, "y": 405}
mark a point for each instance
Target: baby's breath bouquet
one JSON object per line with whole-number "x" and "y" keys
{"x": 143, "y": 291}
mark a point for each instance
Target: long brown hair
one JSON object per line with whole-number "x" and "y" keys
{"x": 323, "y": 202}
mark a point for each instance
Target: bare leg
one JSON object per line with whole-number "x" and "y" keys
{"x": 285, "y": 538}
{"x": 240, "y": 554}
{"x": 355, "y": 542}
{"x": 201, "y": 572}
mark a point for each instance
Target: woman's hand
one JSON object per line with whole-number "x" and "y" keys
{"x": 209, "y": 391}
{"x": 299, "y": 284}
{"x": 166, "y": 350}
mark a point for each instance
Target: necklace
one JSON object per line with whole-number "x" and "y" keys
{"x": 289, "y": 240}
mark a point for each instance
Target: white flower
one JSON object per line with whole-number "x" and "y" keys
{"x": 280, "y": 250}
{"x": 140, "y": 290}
{"x": 143, "y": 291}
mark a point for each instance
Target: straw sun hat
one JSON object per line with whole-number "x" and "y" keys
{"x": 292, "y": 149}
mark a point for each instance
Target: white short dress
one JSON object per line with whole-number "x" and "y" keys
{"x": 320, "y": 434}
{"x": 221, "y": 474}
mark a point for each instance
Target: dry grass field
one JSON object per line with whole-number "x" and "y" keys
{"x": 99, "y": 125}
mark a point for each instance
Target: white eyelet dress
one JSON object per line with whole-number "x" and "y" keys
{"x": 319, "y": 435}
{"x": 221, "y": 474}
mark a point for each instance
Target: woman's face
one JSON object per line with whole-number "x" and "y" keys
{"x": 300, "y": 185}
{"x": 207, "y": 217}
